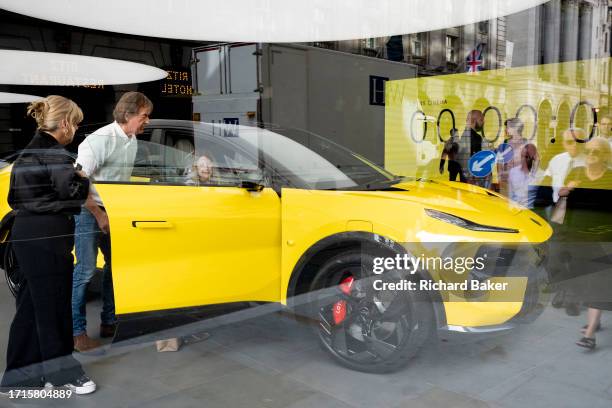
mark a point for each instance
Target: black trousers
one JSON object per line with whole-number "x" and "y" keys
{"x": 454, "y": 170}
{"x": 40, "y": 339}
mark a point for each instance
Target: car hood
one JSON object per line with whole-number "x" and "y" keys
{"x": 409, "y": 199}
{"x": 400, "y": 213}
{"x": 454, "y": 196}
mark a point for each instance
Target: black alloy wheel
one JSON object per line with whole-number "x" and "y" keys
{"x": 363, "y": 328}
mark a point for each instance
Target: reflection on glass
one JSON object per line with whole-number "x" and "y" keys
{"x": 546, "y": 109}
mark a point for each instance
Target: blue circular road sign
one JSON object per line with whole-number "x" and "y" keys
{"x": 481, "y": 163}
{"x": 504, "y": 153}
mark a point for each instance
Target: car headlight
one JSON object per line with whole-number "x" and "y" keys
{"x": 467, "y": 224}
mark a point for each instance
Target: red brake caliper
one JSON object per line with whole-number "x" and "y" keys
{"x": 340, "y": 306}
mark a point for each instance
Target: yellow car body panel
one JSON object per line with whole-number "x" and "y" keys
{"x": 184, "y": 246}
{"x": 213, "y": 245}
{"x": 5, "y": 175}
{"x": 5, "y": 180}
{"x": 309, "y": 216}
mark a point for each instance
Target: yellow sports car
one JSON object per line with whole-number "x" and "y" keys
{"x": 222, "y": 213}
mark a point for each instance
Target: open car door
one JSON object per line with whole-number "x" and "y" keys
{"x": 178, "y": 241}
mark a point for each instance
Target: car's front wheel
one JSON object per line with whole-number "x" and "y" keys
{"x": 364, "y": 328}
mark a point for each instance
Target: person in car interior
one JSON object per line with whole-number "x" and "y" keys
{"x": 202, "y": 171}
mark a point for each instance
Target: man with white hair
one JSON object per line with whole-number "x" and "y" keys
{"x": 107, "y": 154}
{"x": 558, "y": 169}
{"x": 561, "y": 164}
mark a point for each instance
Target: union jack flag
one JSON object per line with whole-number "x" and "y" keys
{"x": 473, "y": 62}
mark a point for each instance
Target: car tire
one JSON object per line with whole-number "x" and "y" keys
{"x": 381, "y": 330}
{"x": 11, "y": 268}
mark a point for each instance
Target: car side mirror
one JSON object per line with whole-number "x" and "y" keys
{"x": 251, "y": 185}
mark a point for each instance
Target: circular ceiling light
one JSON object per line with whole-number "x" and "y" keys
{"x": 269, "y": 20}
{"x": 8, "y": 97}
{"x": 46, "y": 68}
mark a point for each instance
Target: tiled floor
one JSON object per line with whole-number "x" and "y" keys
{"x": 263, "y": 358}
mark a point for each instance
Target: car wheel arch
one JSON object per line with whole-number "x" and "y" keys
{"x": 330, "y": 246}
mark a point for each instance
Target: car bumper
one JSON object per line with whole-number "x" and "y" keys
{"x": 532, "y": 303}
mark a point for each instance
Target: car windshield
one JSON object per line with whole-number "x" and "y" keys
{"x": 304, "y": 159}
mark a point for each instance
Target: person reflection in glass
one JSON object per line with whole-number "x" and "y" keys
{"x": 514, "y": 138}
{"x": 561, "y": 164}
{"x": 449, "y": 154}
{"x": 588, "y": 192}
{"x": 470, "y": 143}
{"x": 522, "y": 178}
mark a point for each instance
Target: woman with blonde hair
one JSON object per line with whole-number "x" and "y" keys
{"x": 45, "y": 192}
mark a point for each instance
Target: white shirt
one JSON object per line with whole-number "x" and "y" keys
{"x": 519, "y": 183}
{"x": 107, "y": 155}
{"x": 559, "y": 167}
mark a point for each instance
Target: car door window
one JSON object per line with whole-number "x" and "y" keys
{"x": 143, "y": 155}
{"x": 176, "y": 157}
{"x": 162, "y": 164}
{"x": 157, "y": 163}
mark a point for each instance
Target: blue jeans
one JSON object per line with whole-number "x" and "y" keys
{"x": 88, "y": 238}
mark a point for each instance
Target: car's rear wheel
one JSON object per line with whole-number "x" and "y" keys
{"x": 11, "y": 268}
{"x": 363, "y": 328}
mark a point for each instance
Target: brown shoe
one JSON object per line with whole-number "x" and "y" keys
{"x": 85, "y": 344}
{"x": 107, "y": 330}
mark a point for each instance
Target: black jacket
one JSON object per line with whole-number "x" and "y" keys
{"x": 44, "y": 181}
